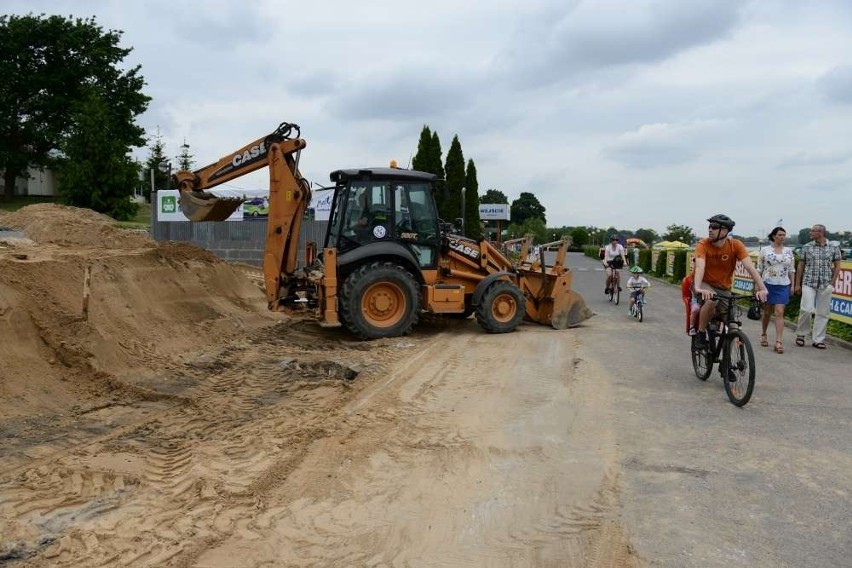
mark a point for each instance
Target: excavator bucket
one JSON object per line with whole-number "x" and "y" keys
{"x": 569, "y": 310}
{"x": 551, "y": 300}
{"x": 203, "y": 206}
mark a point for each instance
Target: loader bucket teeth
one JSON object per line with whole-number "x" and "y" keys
{"x": 201, "y": 206}
{"x": 569, "y": 310}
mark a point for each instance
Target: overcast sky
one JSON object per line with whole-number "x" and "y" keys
{"x": 625, "y": 113}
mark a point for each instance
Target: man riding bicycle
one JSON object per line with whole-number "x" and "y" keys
{"x": 614, "y": 258}
{"x": 715, "y": 260}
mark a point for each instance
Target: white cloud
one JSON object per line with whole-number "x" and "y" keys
{"x": 626, "y": 113}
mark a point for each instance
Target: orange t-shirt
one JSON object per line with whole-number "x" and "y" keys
{"x": 719, "y": 263}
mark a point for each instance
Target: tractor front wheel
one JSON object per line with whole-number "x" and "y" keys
{"x": 502, "y": 308}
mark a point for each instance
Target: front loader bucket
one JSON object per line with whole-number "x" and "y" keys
{"x": 201, "y": 206}
{"x": 569, "y": 310}
{"x": 551, "y": 300}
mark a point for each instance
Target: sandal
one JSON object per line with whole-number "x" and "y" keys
{"x": 800, "y": 340}
{"x": 779, "y": 347}
{"x": 764, "y": 341}
{"x": 819, "y": 345}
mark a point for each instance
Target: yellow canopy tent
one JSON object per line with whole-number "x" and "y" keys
{"x": 671, "y": 245}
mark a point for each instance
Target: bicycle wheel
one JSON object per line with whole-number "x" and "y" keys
{"x": 617, "y": 289}
{"x": 639, "y": 311}
{"x": 702, "y": 362}
{"x": 612, "y": 286}
{"x": 738, "y": 368}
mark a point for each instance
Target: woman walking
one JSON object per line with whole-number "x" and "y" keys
{"x": 775, "y": 264}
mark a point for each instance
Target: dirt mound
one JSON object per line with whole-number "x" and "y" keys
{"x": 49, "y": 223}
{"x": 149, "y": 305}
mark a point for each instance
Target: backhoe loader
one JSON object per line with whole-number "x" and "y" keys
{"x": 387, "y": 257}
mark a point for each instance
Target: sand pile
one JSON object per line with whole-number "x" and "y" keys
{"x": 49, "y": 223}
{"x": 149, "y": 305}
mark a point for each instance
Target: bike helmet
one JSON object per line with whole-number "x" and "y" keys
{"x": 723, "y": 220}
{"x": 636, "y": 270}
{"x": 613, "y": 237}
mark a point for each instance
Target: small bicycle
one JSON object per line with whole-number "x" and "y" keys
{"x": 637, "y": 310}
{"x": 615, "y": 281}
{"x": 730, "y": 348}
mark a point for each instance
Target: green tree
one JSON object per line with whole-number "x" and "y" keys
{"x": 472, "y": 221}
{"x": 647, "y": 235}
{"x": 579, "y": 236}
{"x": 526, "y": 207}
{"x": 185, "y": 160}
{"x": 156, "y": 156}
{"x": 94, "y": 173}
{"x": 804, "y": 235}
{"x": 534, "y": 226}
{"x": 52, "y": 69}
{"x": 454, "y": 170}
{"x": 421, "y": 160}
{"x": 494, "y": 196}
{"x": 679, "y": 233}
{"x": 428, "y": 159}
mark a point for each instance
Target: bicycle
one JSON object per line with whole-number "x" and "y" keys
{"x": 615, "y": 281}
{"x": 637, "y": 310}
{"x": 730, "y": 348}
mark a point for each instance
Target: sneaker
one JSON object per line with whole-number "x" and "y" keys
{"x": 700, "y": 341}
{"x": 606, "y": 292}
{"x": 692, "y": 331}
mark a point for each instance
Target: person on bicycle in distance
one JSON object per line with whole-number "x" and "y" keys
{"x": 715, "y": 260}
{"x": 614, "y": 257}
{"x": 637, "y": 284}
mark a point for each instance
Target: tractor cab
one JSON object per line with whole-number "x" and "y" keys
{"x": 389, "y": 210}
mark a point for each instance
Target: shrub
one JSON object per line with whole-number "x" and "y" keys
{"x": 645, "y": 260}
{"x": 660, "y": 269}
{"x": 679, "y": 268}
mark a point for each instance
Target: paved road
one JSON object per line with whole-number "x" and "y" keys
{"x": 709, "y": 484}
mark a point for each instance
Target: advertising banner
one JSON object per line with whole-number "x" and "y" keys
{"x": 168, "y": 205}
{"x": 841, "y": 299}
{"x": 255, "y": 206}
{"x": 743, "y": 284}
{"x": 321, "y": 203}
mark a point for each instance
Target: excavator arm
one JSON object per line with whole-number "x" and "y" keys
{"x": 289, "y": 197}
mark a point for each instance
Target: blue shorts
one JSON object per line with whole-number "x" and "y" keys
{"x": 778, "y": 294}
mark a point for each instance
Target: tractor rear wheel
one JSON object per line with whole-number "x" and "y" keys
{"x": 502, "y": 308}
{"x": 380, "y": 299}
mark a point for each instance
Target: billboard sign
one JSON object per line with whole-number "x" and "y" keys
{"x": 494, "y": 211}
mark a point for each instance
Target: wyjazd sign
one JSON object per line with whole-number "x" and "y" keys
{"x": 494, "y": 211}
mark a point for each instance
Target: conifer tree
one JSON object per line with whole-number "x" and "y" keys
{"x": 156, "y": 156}
{"x": 472, "y": 221}
{"x": 420, "y": 162}
{"x": 454, "y": 168}
{"x": 435, "y": 162}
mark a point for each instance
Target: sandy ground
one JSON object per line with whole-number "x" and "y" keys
{"x": 182, "y": 424}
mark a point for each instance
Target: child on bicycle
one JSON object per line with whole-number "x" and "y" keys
{"x": 690, "y": 301}
{"x": 637, "y": 284}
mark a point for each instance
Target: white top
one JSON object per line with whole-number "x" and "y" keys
{"x": 637, "y": 283}
{"x": 776, "y": 268}
{"x": 611, "y": 253}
